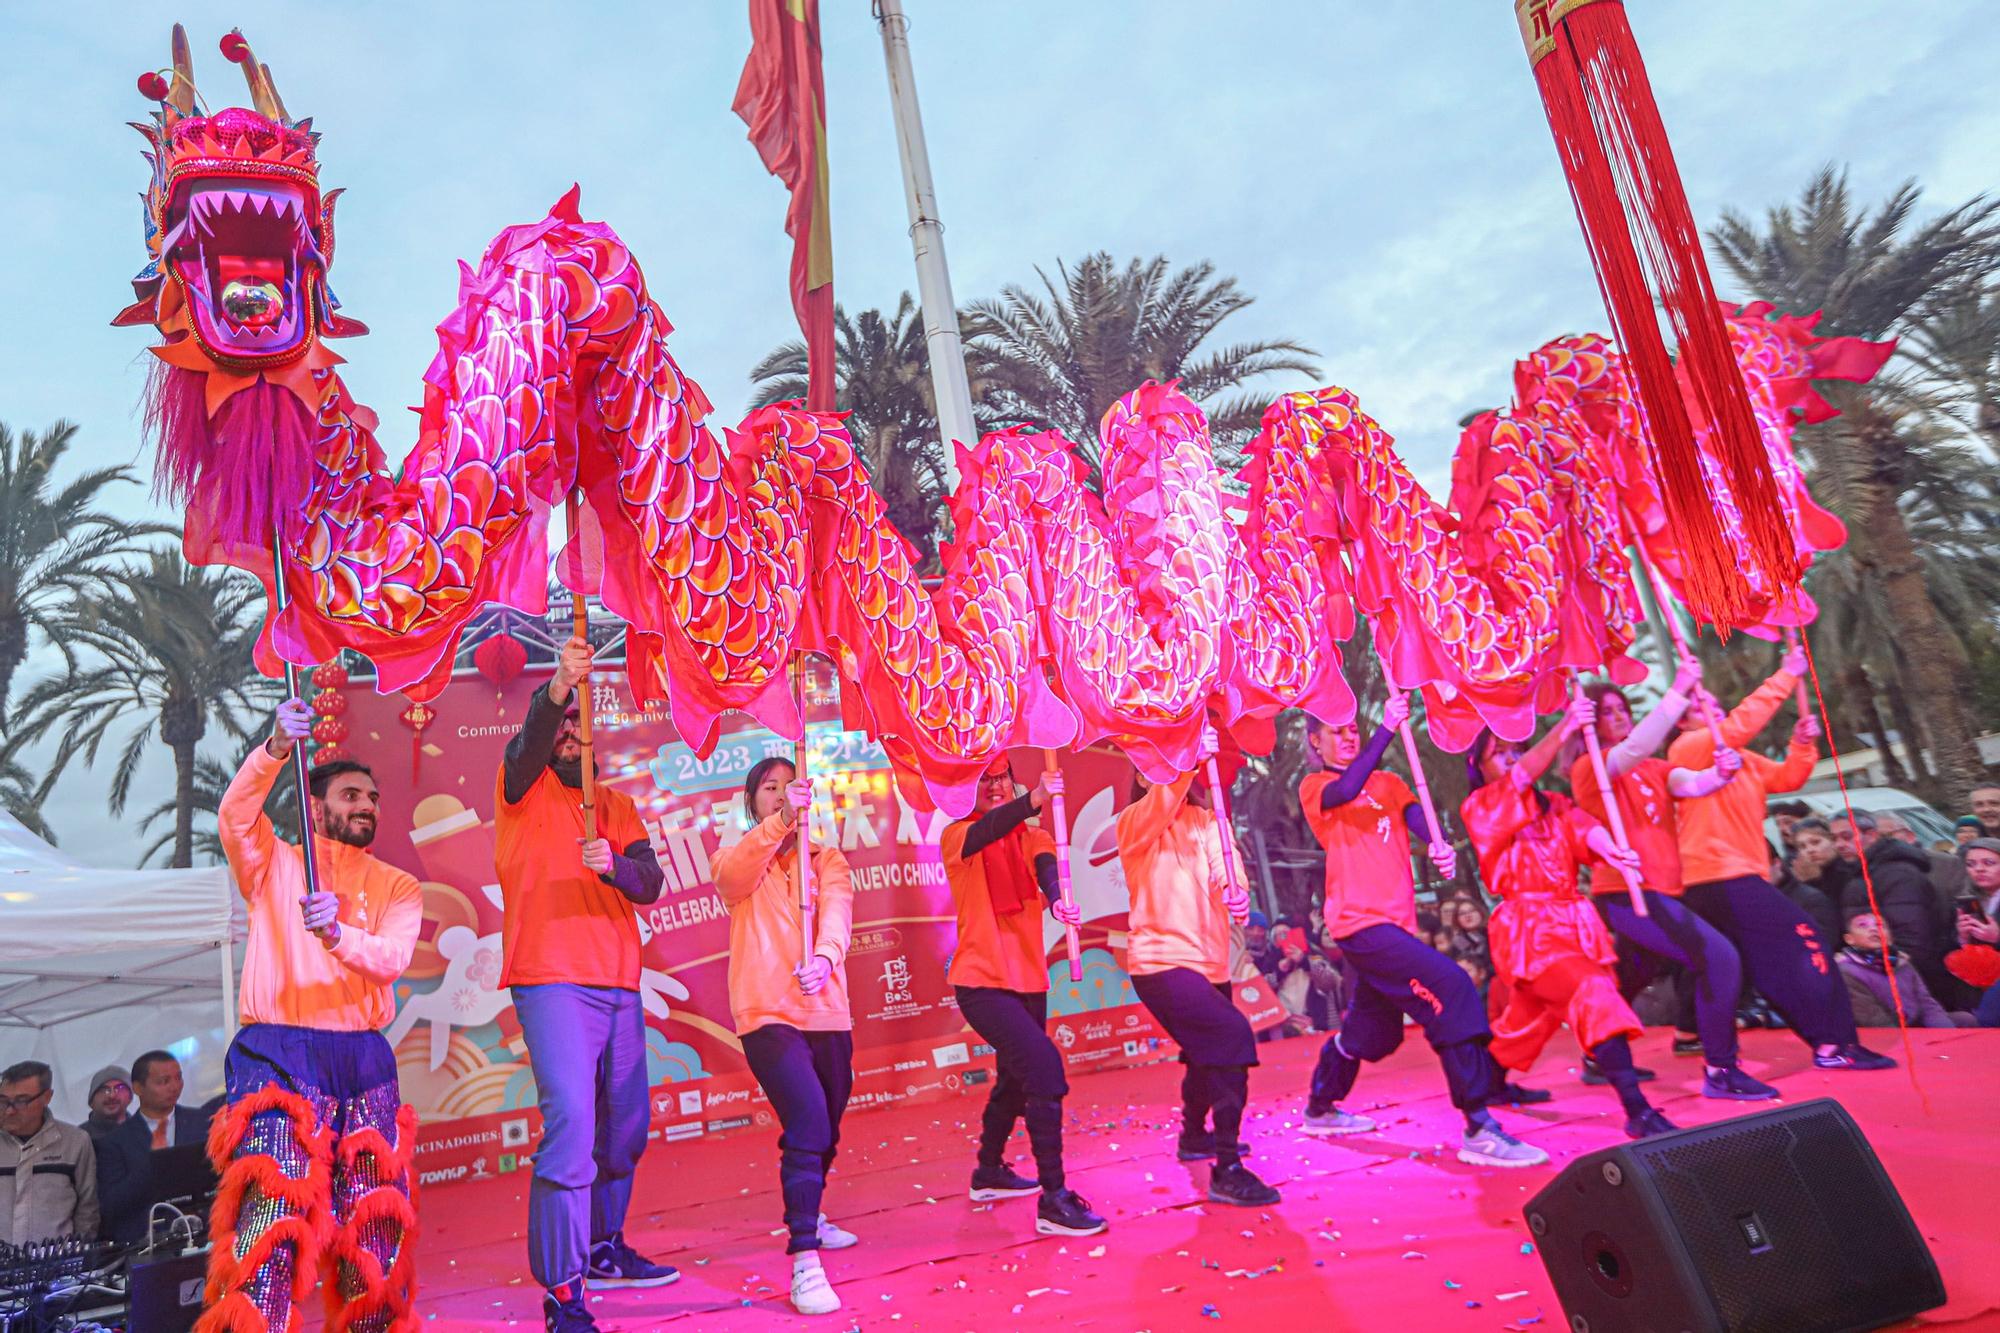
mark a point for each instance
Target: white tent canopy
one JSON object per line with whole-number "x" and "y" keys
{"x": 99, "y": 966}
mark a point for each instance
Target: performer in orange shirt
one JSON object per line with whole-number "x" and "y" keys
{"x": 1000, "y": 871}
{"x": 314, "y": 1146}
{"x": 570, "y": 950}
{"x": 1364, "y": 818}
{"x": 1546, "y": 939}
{"x": 1177, "y": 952}
{"x": 1645, "y": 788}
{"x": 1725, "y": 859}
{"x": 792, "y": 1014}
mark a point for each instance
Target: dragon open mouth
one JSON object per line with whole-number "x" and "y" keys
{"x": 243, "y": 249}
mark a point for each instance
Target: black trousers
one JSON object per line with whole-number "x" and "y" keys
{"x": 1028, "y": 1082}
{"x": 1217, "y": 1048}
{"x": 807, "y": 1076}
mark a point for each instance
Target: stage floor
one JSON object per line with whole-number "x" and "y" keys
{"x": 1382, "y": 1231}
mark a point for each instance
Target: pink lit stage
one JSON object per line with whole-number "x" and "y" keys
{"x": 1383, "y": 1231}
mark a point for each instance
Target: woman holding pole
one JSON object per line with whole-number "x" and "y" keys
{"x": 1364, "y": 818}
{"x": 1645, "y": 788}
{"x": 792, "y": 1016}
{"x": 1001, "y": 870}
{"x": 1177, "y": 870}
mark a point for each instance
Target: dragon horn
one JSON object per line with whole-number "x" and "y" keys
{"x": 271, "y": 84}
{"x": 236, "y": 47}
{"x": 181, "y": 95}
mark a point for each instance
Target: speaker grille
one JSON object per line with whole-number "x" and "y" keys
{"x": 1808, "y": 1189}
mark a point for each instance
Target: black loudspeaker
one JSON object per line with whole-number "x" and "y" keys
{"x": 1777, "y": 1222}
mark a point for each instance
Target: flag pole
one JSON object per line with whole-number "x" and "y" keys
{"x": 947, "y": 355}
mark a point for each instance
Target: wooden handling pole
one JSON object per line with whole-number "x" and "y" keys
{"x": 1708, "y": 713}
{"x": 1218, "y": 800}
{"x": 805, "y": 824}
{"x": 579, "y": 615}
{"x": 1059, "y": 817}
{"x": 1612, "y": 815}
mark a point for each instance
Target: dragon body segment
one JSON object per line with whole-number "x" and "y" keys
{"x": 1062, "y": 616}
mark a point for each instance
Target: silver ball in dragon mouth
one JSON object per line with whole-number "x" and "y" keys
{"x": 253, "y": 303}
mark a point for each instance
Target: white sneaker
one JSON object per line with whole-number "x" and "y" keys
{"x": 812, "y": 1293}
{"x": 1491, "y": 1145}
{"x": 1336, "y": 1121}
{"x": 833, "y": 1236}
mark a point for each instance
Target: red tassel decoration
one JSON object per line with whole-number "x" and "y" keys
{"x": 1644, "y": 243}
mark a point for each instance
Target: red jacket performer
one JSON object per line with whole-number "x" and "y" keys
{"x": 1547, "y": 941}
{"x": 314, "y": 1146}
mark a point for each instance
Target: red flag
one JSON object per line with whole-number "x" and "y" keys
{"x": 782, "y": 98}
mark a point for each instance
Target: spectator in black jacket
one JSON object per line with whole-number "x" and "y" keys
{"x": 1904, "y": 897}
{"x": 125, "y": 1184}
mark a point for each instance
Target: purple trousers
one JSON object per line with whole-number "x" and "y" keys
{"x": 588, "y": 1047}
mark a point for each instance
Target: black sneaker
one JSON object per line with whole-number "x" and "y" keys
{"x": 1513, "y": 1094}
{"x": 1001, "y": 1182}
{"x": 1064, "y": 1213}
{"x": 1201, "y": 1147}
{"x": 613, "y": 1263}
{"x": 1733, "y": 1085}
{"x": 1648, "y": 1123}
{"x": 1237, "y": 1184}
{"x": 1687, "y": 1045}
{"x": 563, "y": 1310}
{"x": 1852, "y": 1056}
{"x": 1597, "y": 1078}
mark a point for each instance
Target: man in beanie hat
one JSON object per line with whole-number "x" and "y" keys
{"x": 110, "y": 1101}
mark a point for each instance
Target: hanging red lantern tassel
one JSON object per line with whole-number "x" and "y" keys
{"x": 1644, "y": 244}
{"x": 417, "y": 716}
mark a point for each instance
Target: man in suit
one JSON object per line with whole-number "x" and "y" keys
{"x": 126, "y": 1189}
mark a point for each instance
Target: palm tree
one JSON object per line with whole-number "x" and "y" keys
{"x": 52, "y": 541}
{"x": 20, "y": 799}
{"x": 1884, "y": 465}
{"x": 1097, "y": 331}
{"x": 211, "y": 780}
{"x": 168, "y": 646}
{"x": 882, "y": 369}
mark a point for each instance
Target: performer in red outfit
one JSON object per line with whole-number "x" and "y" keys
{"x": 1546, "y": 939}
{"x": 1365, "y": 818}
{"x": 1001, "y": 870}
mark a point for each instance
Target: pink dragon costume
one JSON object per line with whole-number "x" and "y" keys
{"x": 727, "y": 558}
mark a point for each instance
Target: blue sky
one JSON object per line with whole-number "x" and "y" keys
{"x": 1379, "y": 176}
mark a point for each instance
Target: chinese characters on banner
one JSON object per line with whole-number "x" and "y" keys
{"x": 459, "y": 1049}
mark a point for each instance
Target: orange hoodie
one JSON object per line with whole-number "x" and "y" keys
{"x": 288, "y": 975}
{"x": 760, "y": 888}
{"x": 1172, "y": 855}
{"x": 1722, "y": 835}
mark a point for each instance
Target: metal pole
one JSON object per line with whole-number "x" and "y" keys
{"x": 301, "y": 766}
{"x": 948, "y": 381}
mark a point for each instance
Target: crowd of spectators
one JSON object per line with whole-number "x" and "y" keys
{"x": 97, "y": 1179}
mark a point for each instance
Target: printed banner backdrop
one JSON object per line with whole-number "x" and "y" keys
{"x": 459, "y": 1049}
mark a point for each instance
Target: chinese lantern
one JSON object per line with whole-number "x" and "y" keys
{"x": 330, "y": 677}
{"x": 329, "y": 703}
{"x": 329, "y": 731}
{"x": 331, "y": 754}
{"x": 500, "y": 659}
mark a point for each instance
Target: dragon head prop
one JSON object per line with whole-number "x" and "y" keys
{"x": 238, "y": 239}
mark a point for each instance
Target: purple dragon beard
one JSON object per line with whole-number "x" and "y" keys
{"x": 237, "y": 474}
